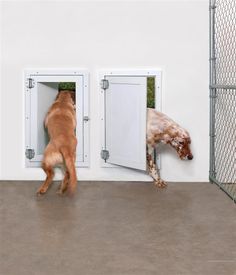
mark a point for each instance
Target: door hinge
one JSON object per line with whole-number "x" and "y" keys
{"x": 86, "y": 118}
{"x": 30, "y": 83}
{"x": 105, "y": 154}
{"x": 104, "y": 84}
{"x": 29, "y": 153}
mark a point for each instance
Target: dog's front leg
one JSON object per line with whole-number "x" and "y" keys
{"x": 153, "y": 170}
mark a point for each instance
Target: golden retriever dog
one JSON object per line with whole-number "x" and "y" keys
{"x": 60, "y": 122}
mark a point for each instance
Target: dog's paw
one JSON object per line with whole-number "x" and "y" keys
{"x": 61, "y": 189}
{"x": 60, "y": 192}
{"x": 41, "y": 191}
{"x": 160, "y": 183}
{"x": 71, "y": 190}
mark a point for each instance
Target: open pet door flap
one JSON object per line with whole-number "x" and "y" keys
{"x": 125, "y": 121}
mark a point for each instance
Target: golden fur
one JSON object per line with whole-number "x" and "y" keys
{"x": 61, "y": 149}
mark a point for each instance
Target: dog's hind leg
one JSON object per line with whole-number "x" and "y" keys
{"x": 48, "y": 169}
{"x": 153, "y": 170}
{"x": 69, "y": 159}
{"x": 70, "y": 163}
{"x": 50, "y": 159}
{"x": 64, "y": 183}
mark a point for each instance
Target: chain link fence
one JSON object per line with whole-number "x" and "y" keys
{"x": 223, "y": 95}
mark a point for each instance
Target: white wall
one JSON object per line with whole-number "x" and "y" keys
{"x": 93, "y": 35}
{"x": 0, "y": 84}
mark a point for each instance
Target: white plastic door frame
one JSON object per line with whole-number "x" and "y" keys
{"x": 80, "y": 77}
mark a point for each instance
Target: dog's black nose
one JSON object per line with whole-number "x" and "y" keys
{"x": 190, "y": 157}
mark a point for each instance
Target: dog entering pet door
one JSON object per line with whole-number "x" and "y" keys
{"x": 41, "y": 89}
{"x": 124, "y": 107}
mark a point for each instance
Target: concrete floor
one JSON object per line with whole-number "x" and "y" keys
{"x": 117, "y": 228}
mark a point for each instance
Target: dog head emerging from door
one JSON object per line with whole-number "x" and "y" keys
{"x": 162, "y": 129}
{"x": 182, "y": 147}
{"x": 60, "y": 122}
{"x": 66, "y": 95}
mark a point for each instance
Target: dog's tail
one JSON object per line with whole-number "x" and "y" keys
{"x": 69, "y": 160}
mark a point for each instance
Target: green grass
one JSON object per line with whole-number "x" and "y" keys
{"x": 151, "y": 92}
{"x": 66, "y": 86}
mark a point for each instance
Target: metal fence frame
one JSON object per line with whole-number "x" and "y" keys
{"x": 228, "y": 187}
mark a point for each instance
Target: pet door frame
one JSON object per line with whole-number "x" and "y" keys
{"x": 80, "y": 77}
{"x": 102, "y": 74}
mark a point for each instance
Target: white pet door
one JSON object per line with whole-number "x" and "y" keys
{"x": 41, "y": 91}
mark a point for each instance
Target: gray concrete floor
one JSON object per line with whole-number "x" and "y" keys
{"x": 117, "y": 228}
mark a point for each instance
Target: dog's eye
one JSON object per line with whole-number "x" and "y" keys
{"x": 181, "y": 142}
